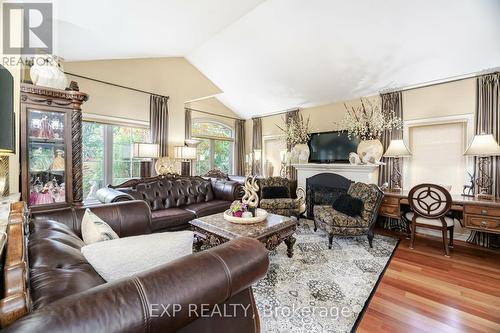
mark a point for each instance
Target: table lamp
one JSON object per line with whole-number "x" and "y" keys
{"x": 396, "y": 150}
{"x": 483, "y": 146}
{"x": 185, "y": 154}
{"x": 7, "y": 127}
{"x": 146, "y": 152}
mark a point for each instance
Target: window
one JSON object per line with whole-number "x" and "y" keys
{"x": 215, "y": 150}
{"x": 107, "y": 155}
{"x": 438, "y": 144}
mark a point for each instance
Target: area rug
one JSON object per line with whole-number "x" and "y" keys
{"x": 320, "y": 290}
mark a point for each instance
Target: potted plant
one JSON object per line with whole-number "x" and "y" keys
{"x": 367, "y": 122}
{"x": 296, "y": 131}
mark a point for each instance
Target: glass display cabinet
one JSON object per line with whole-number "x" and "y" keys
{"x": 51, "y": 139}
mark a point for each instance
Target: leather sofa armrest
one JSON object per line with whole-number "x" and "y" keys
{"x": 110, "y": 195}
{"x": 137, "y": 304}
{"x": 227, "y": 190}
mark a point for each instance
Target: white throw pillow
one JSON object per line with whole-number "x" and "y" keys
{"x": 124, "y": 257}
{"x": 94, "y": 229}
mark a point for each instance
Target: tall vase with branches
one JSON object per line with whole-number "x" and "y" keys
{"x": 367, "y": 122}
{"x": 296, "y": 131}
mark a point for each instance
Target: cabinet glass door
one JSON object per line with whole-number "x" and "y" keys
{"x": 46, "y": 156}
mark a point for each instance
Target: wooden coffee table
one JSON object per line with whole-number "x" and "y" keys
{"x": 213, "y": 230}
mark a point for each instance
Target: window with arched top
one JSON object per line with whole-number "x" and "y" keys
{"x": 215, "y": 150}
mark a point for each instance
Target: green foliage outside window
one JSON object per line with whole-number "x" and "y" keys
{"x": 97, "y": 145}
{"x": 213, "y": 153}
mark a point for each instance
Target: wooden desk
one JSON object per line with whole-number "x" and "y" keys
{"x": 480, "y": 215}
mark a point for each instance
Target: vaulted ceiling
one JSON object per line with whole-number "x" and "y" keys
{"x": 272, "y": 55}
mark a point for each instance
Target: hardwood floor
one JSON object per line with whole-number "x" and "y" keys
{"x": 423, "y": 291}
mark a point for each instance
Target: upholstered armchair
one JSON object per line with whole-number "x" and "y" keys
{"x": 338, "y": 224}
{"x": 280, "y": 203}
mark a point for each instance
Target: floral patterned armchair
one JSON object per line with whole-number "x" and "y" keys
{"x": 336, "y": 223}
{"x": 282, "y": 206}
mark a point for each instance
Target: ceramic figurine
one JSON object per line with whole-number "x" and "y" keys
{"x": 58, "y": 163}
{"x": 45, "y": 129}
{"x": 251, "y": 197}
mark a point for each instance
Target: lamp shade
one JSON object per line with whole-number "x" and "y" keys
{"x": 145, "y": 150}
{"x": 185, "y": 153}
{"x": 397, "y": 148}
{"x": 483, "y": 145}
{"x": 7, "y": 127}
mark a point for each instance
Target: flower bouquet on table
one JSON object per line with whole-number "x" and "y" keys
{"x": 240, "y": 209}
{"x": 241, "y": 213}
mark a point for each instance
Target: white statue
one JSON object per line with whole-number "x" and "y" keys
{"x": 251, "y": 197}
{"x": 354, "y": 159}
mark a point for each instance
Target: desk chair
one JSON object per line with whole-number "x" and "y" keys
{"x": 429, "y": 204}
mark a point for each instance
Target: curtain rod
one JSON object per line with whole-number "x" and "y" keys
{"x": 277, "y": 113}
{"x": 214, "y": 114}
{"x": 443, "y": 81}
{"x": 116, "y": 85}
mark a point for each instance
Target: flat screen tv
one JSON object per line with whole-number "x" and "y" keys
{"x": 331, "y": 147}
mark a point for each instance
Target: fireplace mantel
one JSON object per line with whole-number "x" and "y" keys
{"x": 359, "y": 173}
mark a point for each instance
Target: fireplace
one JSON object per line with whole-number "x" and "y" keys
{"x": 324, "y": 189}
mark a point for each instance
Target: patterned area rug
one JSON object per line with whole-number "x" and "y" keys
{"x": 320, "y": 290}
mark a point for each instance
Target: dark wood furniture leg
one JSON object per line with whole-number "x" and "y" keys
{"x": 289, "y": 241}
{"x": 330, "y": 241}
{"x": 370, "y": 237}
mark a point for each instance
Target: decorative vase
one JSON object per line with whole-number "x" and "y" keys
{"x": 370, "y": 151}
{"x": 300, "y": 153}
{"x": 46, "y": 71}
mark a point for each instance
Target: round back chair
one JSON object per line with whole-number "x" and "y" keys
{"x": 430, "y": 201}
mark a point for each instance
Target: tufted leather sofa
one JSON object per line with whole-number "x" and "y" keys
{"x": 174, "y": 201}
{"x": 69, "y": 296}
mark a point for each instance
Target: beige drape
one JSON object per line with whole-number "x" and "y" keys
{"x": 158, "y": 119}
{"x": 488, "y": 122}
{"x": 239, "y": 147}
{"x": 187, "y": 124}
{"x": 390, "y": 102}
{"x": 289, "y": 116}
{"x": 256, "y": 142}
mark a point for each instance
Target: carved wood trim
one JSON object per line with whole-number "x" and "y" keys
{"x": 16, "y": 299}
{"x": 54, "y": 93}
{"x": 77, "y": 149}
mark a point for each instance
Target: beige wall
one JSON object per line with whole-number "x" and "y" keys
{"x": 212, "y": 105}
{"x": 453, "y": 98}
{"x": 174, "y": 77}
{"x": 448, "y": 99}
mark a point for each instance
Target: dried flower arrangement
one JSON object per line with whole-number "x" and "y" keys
{"x": 368, "y": 122}
{"x": 296, "y": 130}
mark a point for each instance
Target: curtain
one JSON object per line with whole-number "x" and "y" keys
{"x": 256, "y": 143}
{"x": 158, "y": 119}
{"x": 391, "y": 102}
{"x": 488, "y": 122}
{"x": 239, "y": 147}
{"x": 289, "y": 116}
{"x": 187, "y": 124}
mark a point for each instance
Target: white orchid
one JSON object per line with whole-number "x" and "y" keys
{"x": 368, "y": 122}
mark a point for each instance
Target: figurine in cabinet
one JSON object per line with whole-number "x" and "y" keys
{"x": 58, "y": 162}
{"x": 45, "y": 129}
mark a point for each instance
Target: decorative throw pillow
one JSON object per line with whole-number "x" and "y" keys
{"x": 95, "y": 230}
{"x": 348, "y": 205}
{"x": 124, "y": 257}
{"x": 275, "y": 192}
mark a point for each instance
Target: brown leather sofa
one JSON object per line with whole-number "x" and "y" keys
{"x": 69, "y": 296}
{"x": 175, "y": 200}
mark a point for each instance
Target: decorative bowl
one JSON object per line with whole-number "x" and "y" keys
{"x": 261, "y": 216}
